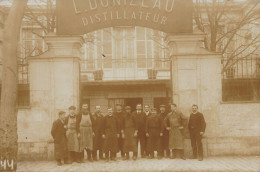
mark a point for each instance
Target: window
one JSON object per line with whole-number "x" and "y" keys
{"x": 107, "y": 47}
{"x": 241, "y": 90}
{"x": 241, "y": 81}
{"x": 123, "y": 47}
{"x": 143, "y": 47}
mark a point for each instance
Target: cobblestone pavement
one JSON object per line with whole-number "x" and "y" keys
{"x": 238, "y": 164}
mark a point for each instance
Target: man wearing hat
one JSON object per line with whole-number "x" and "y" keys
{"x": 174, "y": 124}
{"x": 98, "y": 122}
{"x": 58, "y": 133}
{"x": 73, "y": 134}
{"x": 85, "y": 121}
{"x": 165, "y": 137}
{"x": 119, "y": 114}
{"x": 110, "y": 134}
{"x": 154, "y": 129}
{"x": 129, "y": 134}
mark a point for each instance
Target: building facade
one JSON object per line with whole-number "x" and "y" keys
{"x": 130, "y": 65}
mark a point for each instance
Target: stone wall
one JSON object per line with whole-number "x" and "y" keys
{"x": 238, "y": 130}
{"x": 32, "y": 144}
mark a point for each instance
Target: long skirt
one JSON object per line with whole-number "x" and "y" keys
{"x": 73, "y": 141}
{"x": 175, "y": 138}
{"x": 86, "y": 138}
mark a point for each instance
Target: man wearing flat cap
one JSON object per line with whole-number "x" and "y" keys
{"x": 129, "y": 134}
{"x": 58, "y": 133}
{"x": 73, "y": 134}
{"x": 165, "y": 137}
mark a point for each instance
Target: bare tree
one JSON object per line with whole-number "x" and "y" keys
{"x": 224, "y": 29}
{"x": 8, "y": 115}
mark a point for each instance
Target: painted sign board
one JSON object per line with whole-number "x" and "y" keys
{"x": 76, "y": 17}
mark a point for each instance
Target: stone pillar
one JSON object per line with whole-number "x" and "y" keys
{"x": 54, "y": 83}
{"x": 196, "y": 77}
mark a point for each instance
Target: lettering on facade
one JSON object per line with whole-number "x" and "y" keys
{"x": 82, "y": 16}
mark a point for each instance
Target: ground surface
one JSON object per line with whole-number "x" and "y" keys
{"x": 239, "y": 164}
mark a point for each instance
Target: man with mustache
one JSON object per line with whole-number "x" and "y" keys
{"x": 197, "y": 126}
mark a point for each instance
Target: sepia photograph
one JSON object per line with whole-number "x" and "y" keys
{"x": 130, "y": 85}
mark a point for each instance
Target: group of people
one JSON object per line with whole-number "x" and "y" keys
{"x": 100, "y": 135}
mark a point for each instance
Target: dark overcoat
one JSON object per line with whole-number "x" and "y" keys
{"x": 98, "y": 122}
{"x": 140, "y": 120}
{"x": 120, "y": 117}
{"x": 154, "y": 126}
{"x": 129, "y": 128}
{"x": 165, "y": 137}
{"x": 58, "y": 133}
{"x": 110, "y": 130}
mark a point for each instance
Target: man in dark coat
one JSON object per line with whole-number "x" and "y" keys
{"x": 165, "y": 137}
{"x": 98, "y": 122}
{"x": 119, "y": 114}
{"x": 58, "y": 133}
{"x": 140, "y": 120}
{"x": 174, "y": 124}
{"x": 73, "y": 134}
{"x": 85, "y": 123}
{"x": 129, "y": 134}
{"x": 197, "y": 126}
{"x": 154, "y": 129}
{"x": 111, "y": 134}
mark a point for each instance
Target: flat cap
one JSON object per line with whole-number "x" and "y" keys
{"x": 162, "y": 105}
{"x": 72, "y": 108}
{"x": 61, "y": 112}
{"x": 127, "y": 107}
